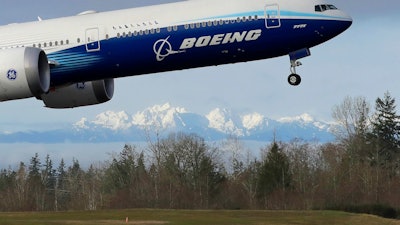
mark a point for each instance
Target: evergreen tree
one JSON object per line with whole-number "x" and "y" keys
{"x": 386, "y": 128}
{"x": 36, "y": 186}
{"x": 61, "y": 193}
{"x": 49, "y": 181}
{"x": 34, "y": 167}
{"x": 363, "y": 110}
{"x": 274, "y": 173}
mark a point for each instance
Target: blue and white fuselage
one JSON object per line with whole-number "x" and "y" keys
{"x": 88, "y": 50}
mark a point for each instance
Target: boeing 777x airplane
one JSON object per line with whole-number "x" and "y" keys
{"x": 72, "y": 61}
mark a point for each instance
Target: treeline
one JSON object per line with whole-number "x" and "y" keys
{"x": 183, "y": 171}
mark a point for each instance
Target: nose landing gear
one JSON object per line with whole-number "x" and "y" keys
{"x": 294, "y": 79}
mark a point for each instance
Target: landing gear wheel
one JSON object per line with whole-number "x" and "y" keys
{"x": 294, "y": 79}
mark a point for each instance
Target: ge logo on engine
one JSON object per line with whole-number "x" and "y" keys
{"x": 12, "y": 74}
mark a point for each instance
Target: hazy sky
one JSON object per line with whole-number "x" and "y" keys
{"x": 363, "y": 61}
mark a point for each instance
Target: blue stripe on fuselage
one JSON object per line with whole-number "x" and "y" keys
{"x": 135, "y": 55}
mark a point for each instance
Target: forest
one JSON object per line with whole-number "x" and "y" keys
{"x": 182, "y": 171}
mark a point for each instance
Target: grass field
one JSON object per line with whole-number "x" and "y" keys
{"x": 187, "y": 217}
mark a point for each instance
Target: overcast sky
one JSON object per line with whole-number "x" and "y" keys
{"x": 363, "y": 61}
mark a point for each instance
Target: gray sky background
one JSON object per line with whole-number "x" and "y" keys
{"x": 363, "y": 61}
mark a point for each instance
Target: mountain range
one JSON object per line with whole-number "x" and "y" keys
{"x": 161, "y": 120}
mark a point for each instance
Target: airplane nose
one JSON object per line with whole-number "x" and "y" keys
{"x": 348, "y": 23}
{"x": 340, "y": 22}
{"x": 348, "y": 19}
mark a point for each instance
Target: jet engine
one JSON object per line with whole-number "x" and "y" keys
{"x": 24, "y": 73}
{"x": 80, "y": 94}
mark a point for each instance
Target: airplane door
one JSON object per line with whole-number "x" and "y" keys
{"x": 272, "y": 16}
{"x": 92, "y": 40}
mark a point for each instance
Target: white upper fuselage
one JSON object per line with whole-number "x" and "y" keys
{"x": 150, "y": 17}
{"x": 181, "y": 35}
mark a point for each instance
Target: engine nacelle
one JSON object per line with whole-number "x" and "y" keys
{"x": 80, "y": 94}
{"x": 24, "y": 73}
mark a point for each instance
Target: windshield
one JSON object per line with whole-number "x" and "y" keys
{"x": 322, "y": 8}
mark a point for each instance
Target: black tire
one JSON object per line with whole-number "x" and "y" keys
{"x": 294, "y": 79}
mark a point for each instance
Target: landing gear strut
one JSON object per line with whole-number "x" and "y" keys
{"x": 294, "y": 79}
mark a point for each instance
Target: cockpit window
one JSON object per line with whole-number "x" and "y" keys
{"x": 332, "y": 7}
{"x": 322, "y": 8}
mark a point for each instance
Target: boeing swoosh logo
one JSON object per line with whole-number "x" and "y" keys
{"x": 163, "y": 48}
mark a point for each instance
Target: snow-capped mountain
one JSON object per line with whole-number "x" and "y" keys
{"x": 163, "y": 119}
{"x": 160, "y": 116}
{"x": 224, "y": 121}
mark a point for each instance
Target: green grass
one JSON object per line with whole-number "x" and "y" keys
{"x": 193, "y": 217}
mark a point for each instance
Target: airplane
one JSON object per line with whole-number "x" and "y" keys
{"x": 72, "y": 61}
